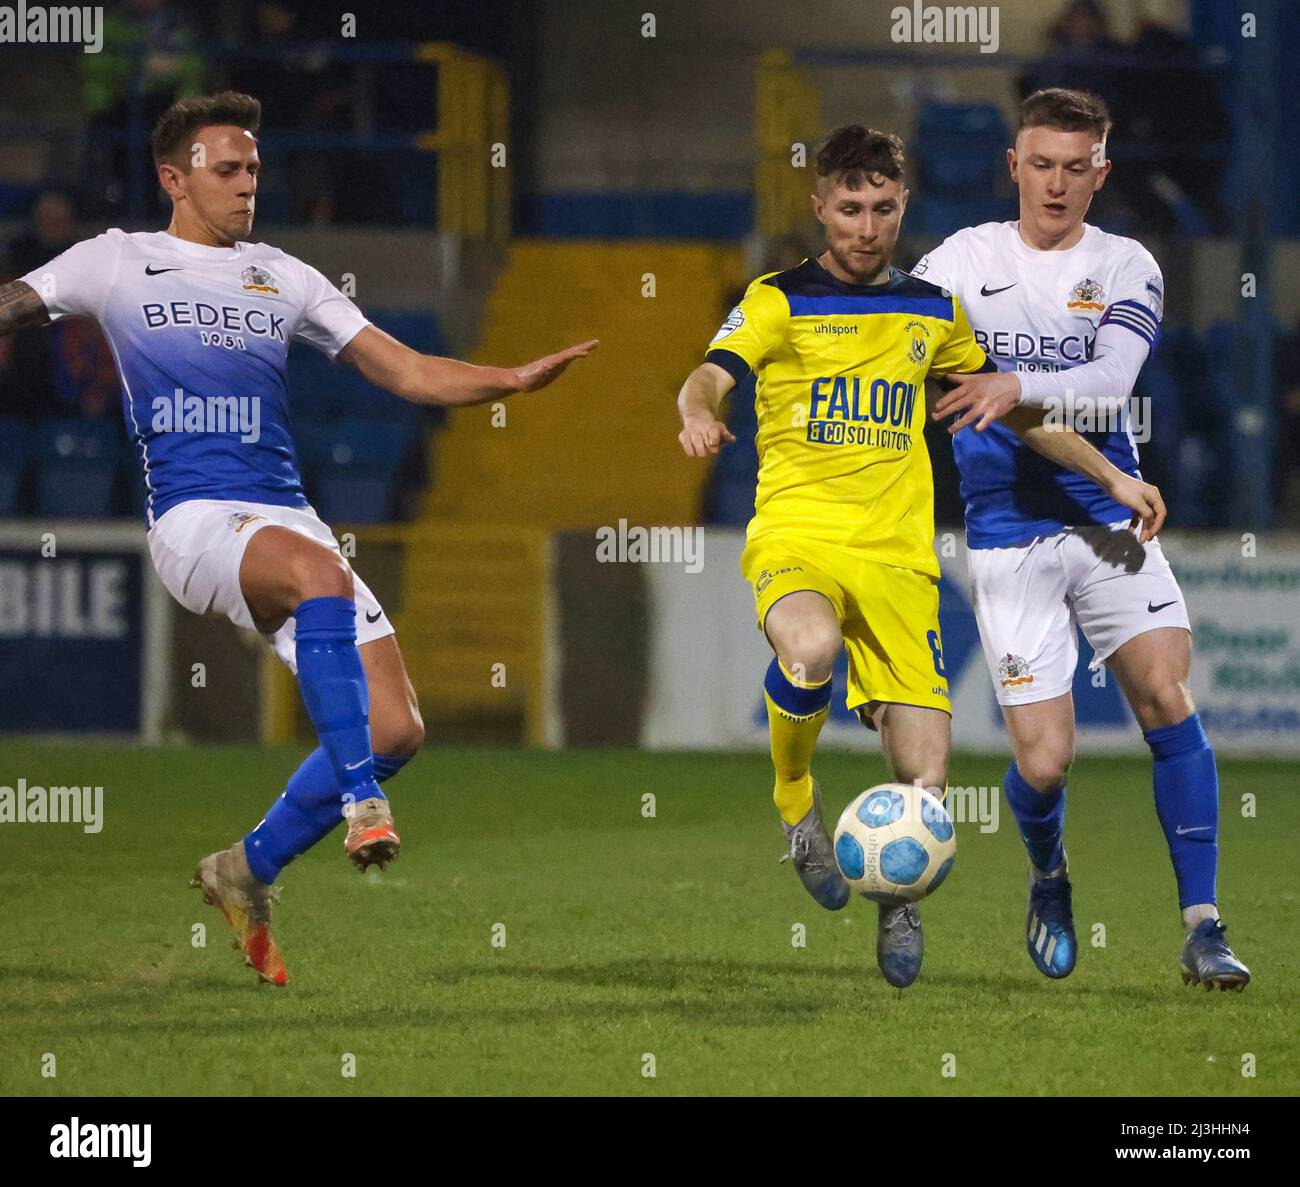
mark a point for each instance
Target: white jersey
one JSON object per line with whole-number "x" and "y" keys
{"x": 201, "y": 336}
{"x": 1039, "y": 313}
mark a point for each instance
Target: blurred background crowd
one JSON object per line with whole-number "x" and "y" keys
{"x": 607, "y": 152}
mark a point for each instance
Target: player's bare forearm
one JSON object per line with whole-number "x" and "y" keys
{"x": 455, "y": 384}
{"x": 21, "y": 308}
{"x": 1062, "y": 445}
{"x": 698, "y": 403}
{"x": 431, "y": 379}
{"x": 703, "y": 391}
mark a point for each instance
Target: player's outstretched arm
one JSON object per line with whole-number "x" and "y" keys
{"x": 1067, "y": 448}
{"x": 698, "y": 402}
{"x": 429, "y": 379}
{"x": 21, "y": 308}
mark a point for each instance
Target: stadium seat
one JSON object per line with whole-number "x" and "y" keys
{"x": 937, "y": 216}
{"x": 353, "y": 466}
{"x": 961, "y": 163}
{"x": 973, "y": 135}
{"x": 962, "y": 120}
{"x": 312, "y": 379}
{"x": 323, "y": 391}
{"x": 19, "y": 447}
{"x": 417, "y": 328}
{"x": 78, "y": 467}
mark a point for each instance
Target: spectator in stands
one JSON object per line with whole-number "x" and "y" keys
{"x": 67, "y": 370}
{"x": 151, "y": 45}
{"x": 304, "y": 88}
{"x": 1168, "y": 110}
{"x": 27, "y": 368}
{"x": 52, "y": 231}
{"x": 26, "y": 375}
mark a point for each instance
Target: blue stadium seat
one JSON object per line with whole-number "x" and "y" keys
{"x": 312, "y": 380}
{"x": 352, "y": 467}
{"x": 19, "y": 448}
{"x": 363, "y": 494}
{"x": 417, "y": 328}
{"x": 937, "y": 216}
{"x": 79, "y": 462}
{"x": 961, "y": 149}
{"x": 323, "y": 391}
{"x": 962, "y": 120}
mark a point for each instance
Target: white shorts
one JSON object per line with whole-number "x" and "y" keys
{"x": 1029, "y": 600}
{"x": 198, "y": 546}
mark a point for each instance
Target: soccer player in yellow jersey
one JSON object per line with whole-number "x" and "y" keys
{"x": 840, "y": 551}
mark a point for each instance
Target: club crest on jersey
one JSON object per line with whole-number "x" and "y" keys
{"x": 920, "y": 348}
{"x": 258, "y": 280}
{"x": 735, "y": 319}
{"x": 240, "y": 520}
{"x": 1087, "y": 294}
{"x": 1014, "y": 670}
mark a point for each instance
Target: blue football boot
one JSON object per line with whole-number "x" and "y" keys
{"x": 1208, "y": 960}
{"x": 900, "y": 943}
{"x": 814, "y": 857}
{"x": 1049, "y": 927}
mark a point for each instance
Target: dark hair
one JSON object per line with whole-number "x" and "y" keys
{"x": 174, "y": 132}
{"x": 1068, "y": 111}
{"x": 856, "y": 153}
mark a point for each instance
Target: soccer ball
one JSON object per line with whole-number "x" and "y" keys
{"x": 894, "y": 842}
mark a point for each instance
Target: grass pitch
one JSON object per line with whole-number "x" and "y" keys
{"x": 625, "y": 937}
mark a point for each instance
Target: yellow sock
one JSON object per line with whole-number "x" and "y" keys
{"x": 794, "y": 737}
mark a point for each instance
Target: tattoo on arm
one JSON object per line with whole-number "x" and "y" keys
{"x": 21, "y": 308}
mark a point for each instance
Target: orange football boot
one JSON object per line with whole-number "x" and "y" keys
{"x": 228, "y": 883}
{"x": 371, "y": 839}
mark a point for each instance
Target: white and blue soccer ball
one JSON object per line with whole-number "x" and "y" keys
{"x": 895, "y": 841}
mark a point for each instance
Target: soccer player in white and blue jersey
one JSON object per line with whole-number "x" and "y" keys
{"x": 1069, "y": 314}
{"x": 199, "y": 321}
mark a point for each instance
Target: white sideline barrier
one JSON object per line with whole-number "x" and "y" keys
{"x": 707, "y": 659}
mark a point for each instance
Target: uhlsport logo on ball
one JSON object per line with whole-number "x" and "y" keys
{"x": 895, "y": 841}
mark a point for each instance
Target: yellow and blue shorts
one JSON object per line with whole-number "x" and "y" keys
{"x": 889, "y": 616}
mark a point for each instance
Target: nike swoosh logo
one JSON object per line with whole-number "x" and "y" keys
{"x": 150, "y": 270}
{"x": 352, "y": 766}
{"x": 376, "y": 616}
{"x": 1152, "y": 609}
{"x": 1200, "y": 828}
{"x": 985, "y": 291}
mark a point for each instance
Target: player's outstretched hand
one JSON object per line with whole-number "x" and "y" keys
{"x": 703, "y": 435}
{"x": 535, "y": 375}
{"x": 981, "y": 398}
{"x": 1144, "y": 501}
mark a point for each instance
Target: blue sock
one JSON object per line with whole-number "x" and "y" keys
{"x": 308, "y": 810}
{"x": 1186, "y": 784}
{"x": 333, "y": 684}
{"x": 1040, "y": 818}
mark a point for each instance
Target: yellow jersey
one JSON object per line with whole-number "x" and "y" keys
{"x": 840, "y": 398}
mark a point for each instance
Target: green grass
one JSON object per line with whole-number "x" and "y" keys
{"x": 624, "y": 936}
